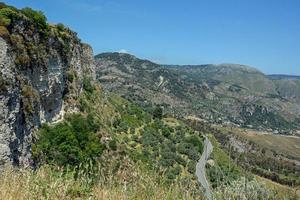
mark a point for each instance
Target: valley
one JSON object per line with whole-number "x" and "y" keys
{"x": 114, "y": 126}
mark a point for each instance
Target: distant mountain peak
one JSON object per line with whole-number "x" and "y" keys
{"x": 246, "y": 68}
{"x": 116, "y": 54}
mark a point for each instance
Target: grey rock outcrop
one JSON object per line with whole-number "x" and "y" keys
{"x": 38, "y": 93}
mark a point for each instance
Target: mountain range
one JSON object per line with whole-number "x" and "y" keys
{"x": 228, "y": 94}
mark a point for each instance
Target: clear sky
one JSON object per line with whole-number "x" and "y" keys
{"x": 260, "y": 33}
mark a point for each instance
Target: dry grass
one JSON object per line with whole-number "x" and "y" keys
{"x": 43, "y": 184}
{"x": 283, "y": 144}
{"x": 130, "y": 181}
{"x": 286, "y": 145}
{"x": 141, "y": 192}
{"x": 282, "y": 191}
{"x": 46, "y": 183}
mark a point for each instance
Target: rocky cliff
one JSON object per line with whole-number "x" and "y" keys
{"x": 42, "y": 69}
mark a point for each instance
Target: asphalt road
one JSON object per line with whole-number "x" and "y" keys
{"x": 200, "y": 168}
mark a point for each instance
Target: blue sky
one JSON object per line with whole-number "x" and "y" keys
{"x": 260, "y": 33}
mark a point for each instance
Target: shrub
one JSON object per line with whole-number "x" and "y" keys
{"x": 92, "y": 122}
{"x": 17, "y": 42}
{"x": 112, "y": 145}
{"x": 39, "y": 19}
{"x": 3, "y": 84}
{"x": 87, "y": 85}
{"x": 243, "y": 189}
{"x": 4, "y": 33}
{"x": 195, "y": 140}
{"x": 172, "y": 173}
{"x": 70, "y": 75}
{"x": 60, "y": 27}
{"x": 157, "y": 112}
{"x": 22, "y": 60}
{"x": 9, "y": 15}
{"x": 68, "y": 143}
{"x": 191, "y": 166}
{"x": 149, "y": 139}
{"x": 29, "y": 98}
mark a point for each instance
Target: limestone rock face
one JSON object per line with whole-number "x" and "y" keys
{"x": 40, "y": 91}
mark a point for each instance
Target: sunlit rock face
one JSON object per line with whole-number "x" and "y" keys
{"x": 39, "y": 89}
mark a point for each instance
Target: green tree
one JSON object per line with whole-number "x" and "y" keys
{"x": 37, "y": 17}
{"x": 158, "y": 112}
{"x": 68, "y": 143}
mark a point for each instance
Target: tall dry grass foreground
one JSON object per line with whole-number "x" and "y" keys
{"x": 45, "y": 183}
{"x": 125, "y": 184}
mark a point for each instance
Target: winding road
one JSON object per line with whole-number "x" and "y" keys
{"x": 200, "y": 168}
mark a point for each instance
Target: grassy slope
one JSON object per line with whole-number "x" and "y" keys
{"x": 47, "y": 183}
{"x": 281, "y": 191}
{"x": 286, "y": 145}
{"x": 224, "y": 169}
{"x": 223, "y": 161}
{"x": 124, "y": 173}
{"x": 166, "y": 144}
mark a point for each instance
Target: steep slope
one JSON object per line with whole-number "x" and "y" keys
{"x": 42, "y": 71}
{"x": 250, "y": 78}
{"x": 141, "y": 80}
{"x": 217, "y": 93}
{"x": 287, "y": 86}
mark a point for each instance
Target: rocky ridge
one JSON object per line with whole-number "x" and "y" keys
{"x": 41, "y": 75}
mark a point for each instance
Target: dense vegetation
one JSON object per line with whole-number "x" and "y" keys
{"x": 260, "y": 160}
{"x": 171, "y": 148}
{"x": 262, "y": 118}
{"x": 72, "y": 142}
{"x": 158, "y": 144}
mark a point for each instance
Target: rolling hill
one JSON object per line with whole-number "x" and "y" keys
{"x": 228, "y": 94}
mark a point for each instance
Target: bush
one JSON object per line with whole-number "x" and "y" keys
{"x": 17, "y": 42}
{"x": 60, "y": 27}
{"x": 149, "y": 139}
{"x": 87, "y": 85}
{"x": 70, "y": 75}
{"x": 172, "y": 173}
{"x": 3, "y": 84}
{"x": 9, "y": 15}
{"x": 195, "y": 140}
{"x": 29, "y": 98}
{"x": 68, "y": 143}
{"x": 37, "y": 17}
{"x": 191, "y": 166}
{"x": 112, "y": 145}
{"x": 4, "y": 33}
{"x": 22, "y": 60}
{"x": 157, "y": 112}
{"x": 244, "y": 189}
